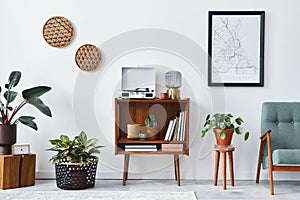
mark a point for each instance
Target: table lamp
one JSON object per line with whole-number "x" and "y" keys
{"x": 173, "y": 83}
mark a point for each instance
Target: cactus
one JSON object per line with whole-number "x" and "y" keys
{"x": 150, "y": 121}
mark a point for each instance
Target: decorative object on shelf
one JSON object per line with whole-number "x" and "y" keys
{"x": 151, "y": 128}
{"x": 236, "y": 48}
{"x": 223, "y": 128}
{"x": 164, "y": 95}
{"x": 138, "y": 82}
{"x": 173, "y": 83}
{"x": 8, "y": 128}
{"x": 133, "y": 131}
{"x": 75, "y": 161}
{"x": 58, "y": 31}
{"x": 88, "y": 57}
{"x": 20, "y": 149}
{"x": 143, "y": 136}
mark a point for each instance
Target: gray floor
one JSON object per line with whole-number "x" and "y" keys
{"x": 203, "y": 189}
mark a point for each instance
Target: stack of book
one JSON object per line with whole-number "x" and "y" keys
{"x": 176, "y": 128}
{"x": 144, "y": 147}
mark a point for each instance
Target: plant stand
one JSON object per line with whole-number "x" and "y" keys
{"x": 224, "y": 150}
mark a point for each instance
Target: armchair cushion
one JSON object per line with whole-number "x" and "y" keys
{"x": 285, "y": 157}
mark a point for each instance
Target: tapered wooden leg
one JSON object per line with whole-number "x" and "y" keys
{"x": 125, "y": 172}
{"x": 230, "y": 158}
{"x": 270, "y": 162}
{"x": 216, "y": 167}
{"x": 260, "y": 156}
{"x": 177, "y": 171}
{"x": 224, "y": 169}
{"x": 175, "y": 168}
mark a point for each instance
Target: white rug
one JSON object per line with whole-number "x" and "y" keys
{"x": 103, "y": 195}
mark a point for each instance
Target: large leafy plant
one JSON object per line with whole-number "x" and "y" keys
{"x": 78, "y": 150}
{"x": 224, "y": 121}
{"x": 30, "y": 96}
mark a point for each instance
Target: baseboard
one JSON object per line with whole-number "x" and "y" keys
{"x": 170, "y": 175}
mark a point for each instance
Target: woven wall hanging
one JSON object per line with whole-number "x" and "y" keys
{"x": 58, "y": 32}
{"x": 88, "y": 57}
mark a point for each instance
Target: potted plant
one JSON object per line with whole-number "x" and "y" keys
{"x": 224, "y": 125}
{"x": 8, "y": 122}
{"x": 151, "y": 128}
{"x": 75, "y": 161}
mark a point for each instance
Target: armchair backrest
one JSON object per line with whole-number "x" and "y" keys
{"x": 283, "y": 119}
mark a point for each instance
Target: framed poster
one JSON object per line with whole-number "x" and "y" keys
{"x": 236, "y": 48}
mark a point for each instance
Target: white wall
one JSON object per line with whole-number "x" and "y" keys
{"x": 22, "y": 47}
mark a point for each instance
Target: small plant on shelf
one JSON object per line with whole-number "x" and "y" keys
{"x": 151, "y": 127}
{"x": 150, "y": 121}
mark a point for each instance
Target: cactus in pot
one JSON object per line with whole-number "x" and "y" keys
{"x": 151, "y": 128}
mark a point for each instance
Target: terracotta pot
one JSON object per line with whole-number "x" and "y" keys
{"x": 227, "y": 140}
{"x": 8, "y": 135}
{"x": 152, "y": 133}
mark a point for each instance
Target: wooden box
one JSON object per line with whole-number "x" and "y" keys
{"x": 17, "y": 171}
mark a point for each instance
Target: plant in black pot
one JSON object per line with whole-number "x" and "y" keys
{"x": 8, "y": 123}
{"x": 224, "y": 126}
{"x": 75, "y": 161}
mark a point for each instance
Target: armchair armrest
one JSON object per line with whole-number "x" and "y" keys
{"x": 264, "y": 136}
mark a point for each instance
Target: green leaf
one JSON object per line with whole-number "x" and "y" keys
{"x": 246, "y": 136}
{"x": 55, "y": 141}
{"x": 28, "y": 121}
{"x": 223, "y": 135}
{"x": 11, "y": 95}
{"x": 239, "y": 130}
{"x": 83, "y": 137}
{"x": 207, "y": 117}
{"x": 91, "y": 142}
{"x": 35, "y": 92}
{"x": 1, "y": 119}
{"x": 203, "y": 132}
{"x": 0, "y": 89}
{"x": 239, "y": 120}
{"x": 94, "y": 150}
{"x": 65, "y": 139}
{"x": 36, "y": 102}
{"x": 13, "y": 79}
{"x": 9, "y": 108}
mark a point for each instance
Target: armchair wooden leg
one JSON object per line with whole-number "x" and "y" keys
{"x": 260, "y": 157}
{"x": 270, "y": 163}
{"x": 271, "y": 181}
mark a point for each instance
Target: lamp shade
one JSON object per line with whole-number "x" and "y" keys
{"x": 173, "y": 79}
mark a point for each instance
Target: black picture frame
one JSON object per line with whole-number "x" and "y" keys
{"x": 236, "y": 48}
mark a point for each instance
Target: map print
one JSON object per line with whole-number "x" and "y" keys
{"x": 235, "y": 52}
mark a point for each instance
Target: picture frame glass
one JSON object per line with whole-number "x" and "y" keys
{"x": 236, "y": 48}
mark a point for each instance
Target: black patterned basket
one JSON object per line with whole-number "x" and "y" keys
{"x": 75, "y": 176}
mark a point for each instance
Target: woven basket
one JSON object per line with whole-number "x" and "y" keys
{"x": 75, "y": 176}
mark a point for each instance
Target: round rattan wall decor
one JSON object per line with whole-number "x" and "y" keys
{"x": 58, "y": 31}
{"x": 88, "y": 57}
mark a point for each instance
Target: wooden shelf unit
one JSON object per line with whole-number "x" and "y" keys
{"x": 134, "y": 111}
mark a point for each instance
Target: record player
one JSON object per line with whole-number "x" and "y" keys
{"x": 138, "y": 82}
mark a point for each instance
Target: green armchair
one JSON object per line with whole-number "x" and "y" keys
{"x": 280, "y": 140}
